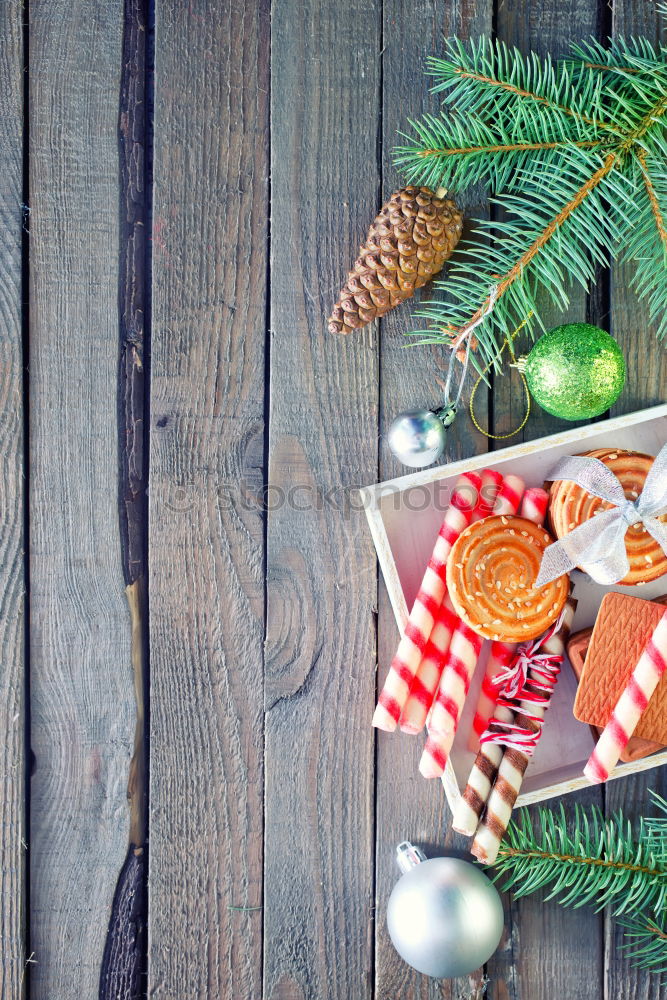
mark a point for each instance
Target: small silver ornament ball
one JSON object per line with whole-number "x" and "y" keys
{"x": 417, "y": 438}
{"x": 445, "y": 917}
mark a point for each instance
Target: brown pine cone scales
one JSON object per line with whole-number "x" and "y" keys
{"x": 411, "y": 238}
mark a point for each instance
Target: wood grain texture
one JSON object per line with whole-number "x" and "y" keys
{"x": 82, "y": 708}
{"x": 12, "y": 584}
{"x": 407, "y": 806}
{"x": 322, "y": 582}
{"x": 646, "y": 362}
{"x": 549, "y": 951}
{"x": 123, "y": 970}
{"x": 206, "y": 528}
{"x": 133, "y": 290}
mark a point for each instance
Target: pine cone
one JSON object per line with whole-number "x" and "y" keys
{"x": 408, "y": 243}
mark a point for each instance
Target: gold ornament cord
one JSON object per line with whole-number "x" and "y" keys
{"x": 508, "y": 343}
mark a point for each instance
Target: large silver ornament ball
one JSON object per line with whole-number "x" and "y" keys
{"x": 417, "y": 438}
{"x": 445, "y": 917}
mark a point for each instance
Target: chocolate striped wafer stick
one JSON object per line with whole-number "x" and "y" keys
{"x": 483, "y": 772}
{"x": 421, "y": 621}
{"x": 427, "y": 678}
{"x": 464, "y": 649}
{"x": 534, "y": 508}
{"x": 630, "y": 706}
{"x": 514, "y": 761}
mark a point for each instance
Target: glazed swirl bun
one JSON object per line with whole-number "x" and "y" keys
{"x": 490, "y": 575}
{"x": 570, "y": 505}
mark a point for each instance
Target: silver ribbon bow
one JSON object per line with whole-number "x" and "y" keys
{"x": 598, "y": 545}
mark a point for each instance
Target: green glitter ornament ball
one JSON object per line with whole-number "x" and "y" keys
{"x": 575, "y": 371}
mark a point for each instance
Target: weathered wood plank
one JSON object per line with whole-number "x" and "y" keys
{"x": 407, "y": 805}
{"x": 12, "y": 584}
{"x": 206, "y": 529}
{"x": 321, "y": 565}
{"x": 122, "y": 975}
{"x": 82, "y": 706}
{"x": 549, "y": 951}
{"x": 646, "y": 361}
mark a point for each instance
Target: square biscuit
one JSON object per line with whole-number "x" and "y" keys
{"x": 577, "y": 649}
{"x": 622, "y": 629}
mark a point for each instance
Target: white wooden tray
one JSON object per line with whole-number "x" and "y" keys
{"x": 405, "y": 515}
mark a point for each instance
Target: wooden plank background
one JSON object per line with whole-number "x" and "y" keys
{"x": 206, "y": 543}
{"x": 321, "y": 576}
{"x": 13, "y": 833}
{"x": 81, "y": 698}
{"x": 273, "y": 808}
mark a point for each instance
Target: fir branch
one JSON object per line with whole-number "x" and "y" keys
{"x": 643, "y": 238}
{"x": 489, "y": 76}
{"x": 618, "y": 55}
{"x": 592, "y": 860}
{"x": 610, "y": 69}
{"x": 503, "y": 154}
{"x": 509, "y": 148}
{"x": 575, "y": 149}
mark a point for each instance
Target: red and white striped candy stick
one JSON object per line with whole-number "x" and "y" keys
{"x": 534, "y": 504}
{"x": 500, "y": 657}
{"x": 425, "y": 682}
{"x": 427, "y": 678}
{"x": 464, "y": 650}
{"x": 630, "y": 706}
{"x": 509, "y": 496}
{"x": 426, "y": 606}
{"x": 533, "y": 508}
{"x": 492, "y": 481}
{"x": 447, "y": 706}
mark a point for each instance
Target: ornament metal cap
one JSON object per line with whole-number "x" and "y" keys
{"x": 447, "y": 414}
{"x": 409, "y": 856}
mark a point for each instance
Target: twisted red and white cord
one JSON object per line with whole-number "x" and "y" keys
{"x": 530, "y": 679}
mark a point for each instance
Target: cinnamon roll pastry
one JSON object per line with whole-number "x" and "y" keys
{"x": 491, "y": 571}
{"x": 570, "y": 505}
